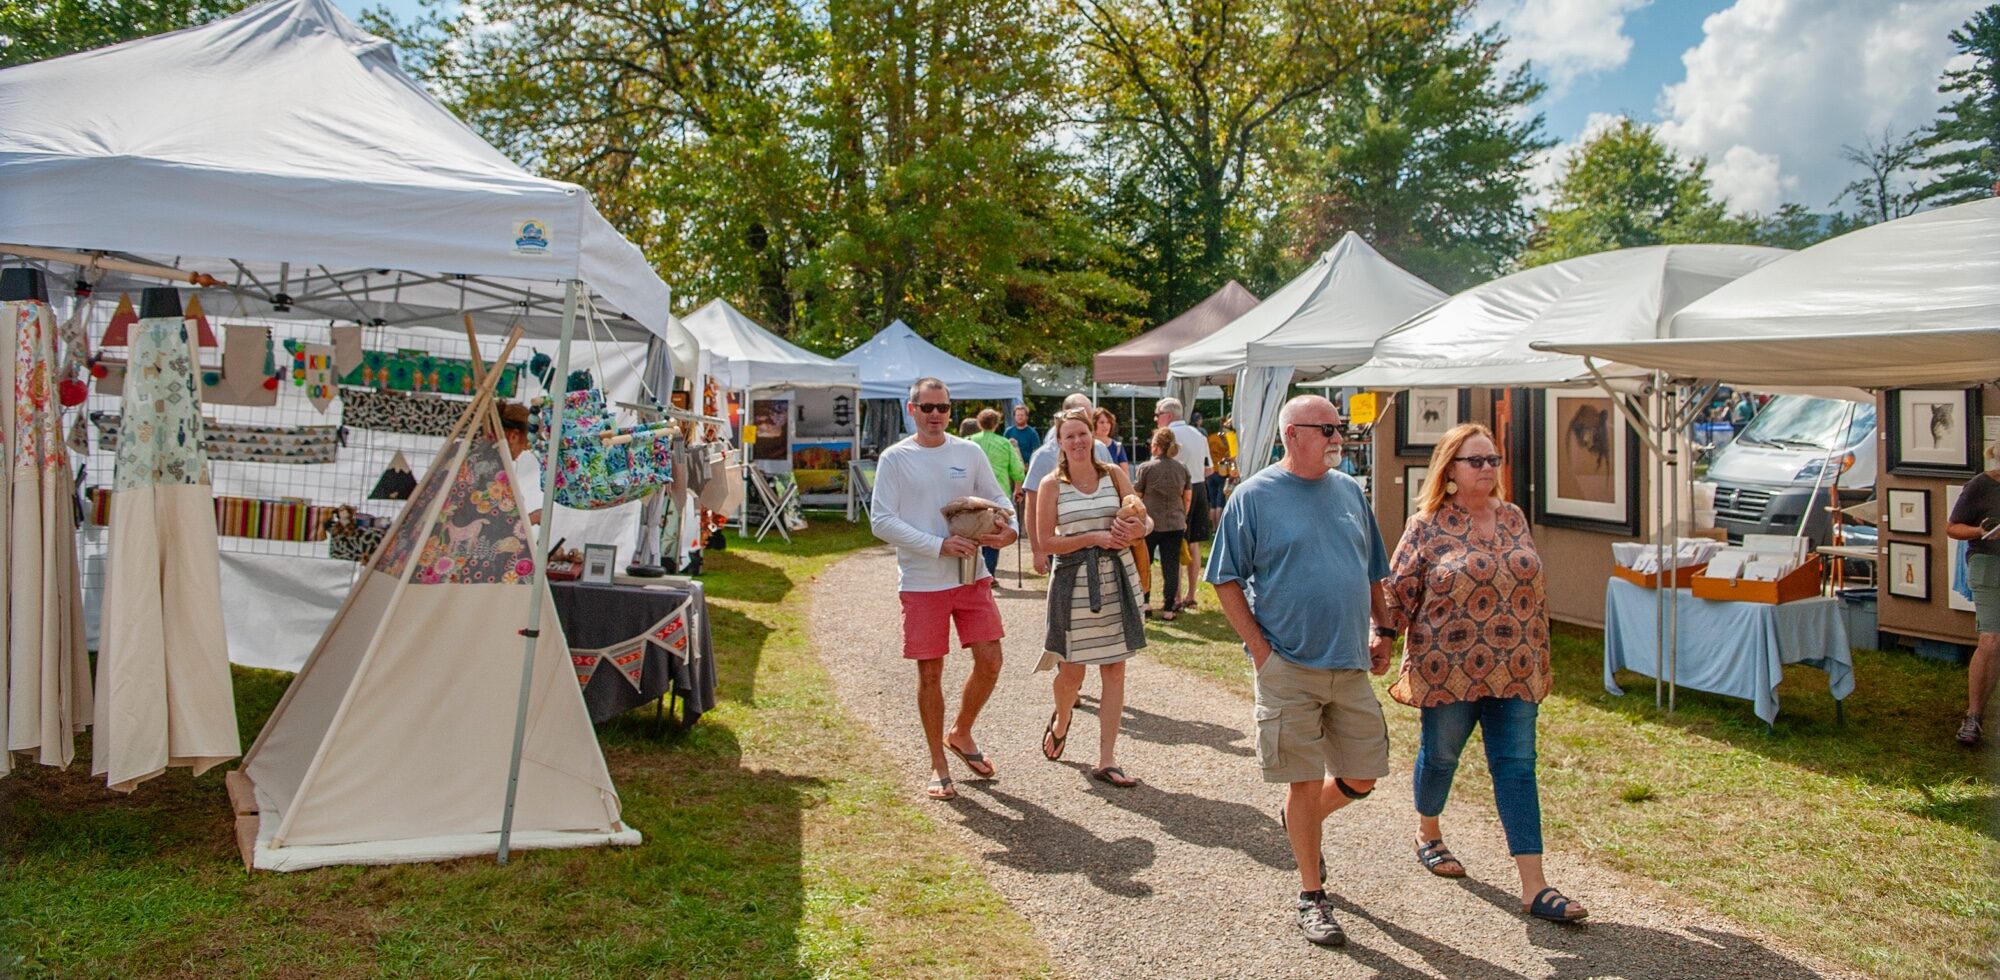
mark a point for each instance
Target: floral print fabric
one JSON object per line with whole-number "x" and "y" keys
{"x": 37, "y": 439}
{"x": 594, "y": 475}
{"x": 478, "y": 537}
{"x": 1474, "y": 607}
{"x": 161, "y": 436}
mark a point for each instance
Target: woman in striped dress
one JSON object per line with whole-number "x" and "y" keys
{"x": 1094, "y": 606}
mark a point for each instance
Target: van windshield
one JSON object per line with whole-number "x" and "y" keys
{"x": 1804, "y": 422}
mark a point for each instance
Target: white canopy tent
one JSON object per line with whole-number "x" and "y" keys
{"x": 282, "y": 151}
{"x": 1484, "y": 336}
{"x": 896, "y": 356}
{"x": 1345, "y": 302}
{"x": 1907, "y": 303}
{"x": 748, "y": 357}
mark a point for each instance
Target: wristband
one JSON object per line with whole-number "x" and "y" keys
{"x": 1386, "y": 633}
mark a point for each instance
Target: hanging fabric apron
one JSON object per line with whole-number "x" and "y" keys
{"x": 164, "y": 696}
{"x": 47, "y": 668}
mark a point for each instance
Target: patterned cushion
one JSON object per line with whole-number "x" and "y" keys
{"x": 593, "y": 475}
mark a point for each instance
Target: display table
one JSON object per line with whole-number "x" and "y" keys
{"x": 633, "y": 645}
{"x": 1733, "y": 648}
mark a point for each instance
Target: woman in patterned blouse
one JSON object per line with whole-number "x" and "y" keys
{"x": 1467, "y": 585}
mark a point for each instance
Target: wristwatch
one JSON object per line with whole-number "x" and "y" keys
{"x": 1386, "y": 633}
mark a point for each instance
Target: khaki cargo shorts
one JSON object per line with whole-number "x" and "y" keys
{"x": 1313, "y": 723}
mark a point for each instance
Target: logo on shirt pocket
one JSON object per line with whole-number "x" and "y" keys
{"x": 957, "y": 472}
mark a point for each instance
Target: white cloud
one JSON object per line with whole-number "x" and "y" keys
{"x": 1777, "y": 86}
{"x": 1564, "y": 39}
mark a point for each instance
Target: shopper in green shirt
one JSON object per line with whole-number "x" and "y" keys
{"x": 1008, "y": 468}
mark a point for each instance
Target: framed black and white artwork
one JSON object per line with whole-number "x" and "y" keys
{"x": 1932, "y": 432}
{"x": 1413, "y": 489}
{"x": 1426, "y": 414}
{"x": 599, "y": 563}
{"x": 1586, "y": 471}
{"x": 1909, "y": 511}
{"x": 1909, "y": 570}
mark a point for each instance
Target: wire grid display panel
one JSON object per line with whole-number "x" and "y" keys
{"x": 362, "y": 457}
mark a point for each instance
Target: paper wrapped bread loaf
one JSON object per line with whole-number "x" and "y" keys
{"x": 972, "y": 517}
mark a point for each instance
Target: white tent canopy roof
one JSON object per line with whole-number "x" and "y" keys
{"x": 1052, "y": 380}
{"x": 282, "y": 150}
{"x": 1360, "y": 297}
{"x": 896, "y": 356}
{"x": 1910, "y": 302}
{"x": 1332, "y": 312}
{"x": 748, "y": 356}
{"x": 1483, "y": 337}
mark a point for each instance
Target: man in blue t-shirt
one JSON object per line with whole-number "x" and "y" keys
{"x": 1024, "y": 435}
{"x": 1298, "y": 566}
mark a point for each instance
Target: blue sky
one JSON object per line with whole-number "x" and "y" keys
{"x": 1767, "y": 90}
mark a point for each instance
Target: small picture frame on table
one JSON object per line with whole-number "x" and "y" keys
{"x": 1910, "y": 511}
{"x": 599, "y": 560}
{"x": 1910, "y": 570}
{"x": 1426, "y": 414}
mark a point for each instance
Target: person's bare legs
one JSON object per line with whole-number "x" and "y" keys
{"x": 1981, "y": 673}
{"x": 930, "y": 710}
{"x": 1110, "y": 713}
{"x": 978, "y": 687}
{"x": 1307, "y": 804}
{"x": 1193, "y": 573}
{"x": 1068, "y": 685}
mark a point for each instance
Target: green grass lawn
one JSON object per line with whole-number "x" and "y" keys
{"x": 779, "y": 843}
{"x": 1871, "y": 844}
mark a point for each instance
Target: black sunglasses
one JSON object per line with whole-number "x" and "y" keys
{"x": 1480, "y": 462}
{"x": 1327, "y": 429}
{"x": 933, "y": 409}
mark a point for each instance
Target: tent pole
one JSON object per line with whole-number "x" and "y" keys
{"x": 540, "y": 585}
{"x": 1672, "y": 439}
{"x": 1655, "y": 401}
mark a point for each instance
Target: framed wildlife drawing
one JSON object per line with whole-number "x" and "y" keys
{"x": 1426, "y": 415}
{"x": 1931, "y": 432}
{"x": 1909, "y": 570}
{"x": 1586, "y": 467}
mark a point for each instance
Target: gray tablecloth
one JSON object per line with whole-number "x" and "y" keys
{"x": 632, "y": 644}
{"x": 1733, "y": 648}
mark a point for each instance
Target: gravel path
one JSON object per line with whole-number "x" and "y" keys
{"x": 1189, "y": 875}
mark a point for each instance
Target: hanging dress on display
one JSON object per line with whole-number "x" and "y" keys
{"x": 47, "y": 670}
{"x": 164, "y": 696}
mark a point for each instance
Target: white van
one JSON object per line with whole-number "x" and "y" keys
{"x": 1764, "y": 478}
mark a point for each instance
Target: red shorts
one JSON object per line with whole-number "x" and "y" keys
{"x": 929, "y": 616}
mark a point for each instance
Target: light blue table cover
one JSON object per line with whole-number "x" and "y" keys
{"x": 1733, "y": 648}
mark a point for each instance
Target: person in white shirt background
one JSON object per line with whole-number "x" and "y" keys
{"x": 527, "y": 466}
{"x": 914, "y": 480}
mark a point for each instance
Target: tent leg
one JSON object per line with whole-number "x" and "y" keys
{"x": 540, "y": 585}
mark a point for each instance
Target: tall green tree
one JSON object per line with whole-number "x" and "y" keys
{"x": 1625, "y": 188}
{"x": 948, "y": 205}
{"x": 1183, "y": 97}
{"x": 34, "y": 30}
{"x": 1425, "y": 153}
{"x": 1963, "y": 145}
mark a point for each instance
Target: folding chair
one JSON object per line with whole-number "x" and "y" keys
{"x": 774, "y": 504}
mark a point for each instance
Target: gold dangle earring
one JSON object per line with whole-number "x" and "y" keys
{"x": 1451, "y": 486}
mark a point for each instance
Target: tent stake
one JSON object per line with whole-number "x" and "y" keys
{"x": 540, "y": 586}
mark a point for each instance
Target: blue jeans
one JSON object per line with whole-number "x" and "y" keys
{"x": 1508, "y": 726}
{"x": 992, "y": 556}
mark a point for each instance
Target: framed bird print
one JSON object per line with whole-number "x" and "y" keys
{"x": 1426, "y": 415}
{"x": 1586, "y": 465}
{"x": 1932, "y": 432}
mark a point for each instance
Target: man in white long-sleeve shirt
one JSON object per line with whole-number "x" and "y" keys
{"x": 914, "y": 479}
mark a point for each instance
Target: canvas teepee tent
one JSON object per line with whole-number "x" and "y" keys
{"x": 393, "y": 742}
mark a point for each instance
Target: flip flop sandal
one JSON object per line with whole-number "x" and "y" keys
{"x": 1053, "y": 752}
{"x": 941, "y": 789}
{"x": 1115, "y": 776}
{"x": 1168, "y": 616}
{"x": 1552, "y": 905}
{"x": 1430, "y": 854}
{"x": 972, "y": 760}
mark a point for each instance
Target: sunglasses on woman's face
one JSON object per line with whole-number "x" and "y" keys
{"x": 933, "y": 409}
{"x": 1480, "y": 462}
